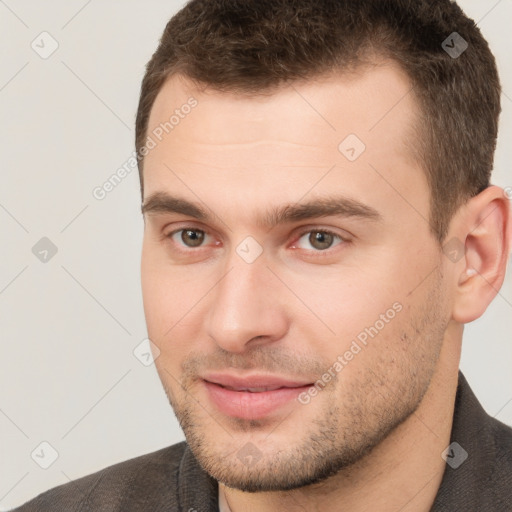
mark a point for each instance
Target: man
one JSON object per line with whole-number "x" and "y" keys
{"x": 319, "y": 226}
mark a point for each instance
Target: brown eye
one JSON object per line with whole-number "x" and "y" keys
{"x": 321, "y": 240}
{"x": 192, "y": 237}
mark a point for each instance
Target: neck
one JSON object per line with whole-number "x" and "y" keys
{"x": 403, "y": 472}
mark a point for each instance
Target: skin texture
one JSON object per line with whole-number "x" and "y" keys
{"x": 381, "y": 422}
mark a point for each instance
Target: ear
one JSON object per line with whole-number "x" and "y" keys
{"x": 485, "y": 231}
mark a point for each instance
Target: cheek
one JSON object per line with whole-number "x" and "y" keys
{"x": 165, "y": 289}
{"x": 174, "y": 303}
{"x": 347, "y": 300}
{"x": 161, "y": 294}
{"x": 367, "y": 310}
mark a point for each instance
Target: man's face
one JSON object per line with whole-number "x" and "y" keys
{"x": 249, "y": 314}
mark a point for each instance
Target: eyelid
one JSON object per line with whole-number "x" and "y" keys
{"x": 184, "y": 225}
{"x": 344, "y": 236}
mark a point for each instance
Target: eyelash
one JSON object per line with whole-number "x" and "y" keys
{"x": 342, "y": 240}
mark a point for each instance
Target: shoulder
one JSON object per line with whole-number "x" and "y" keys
{"x": 135, "y": 484}
{"x": 501, "y": 477}
{"x": 482, "y": 479}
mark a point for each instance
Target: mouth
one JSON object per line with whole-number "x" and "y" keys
{"x": 251, "y": 390}
{"x": 253, "y": 397}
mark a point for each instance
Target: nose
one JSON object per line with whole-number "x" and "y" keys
{"x": 246, "y": 307}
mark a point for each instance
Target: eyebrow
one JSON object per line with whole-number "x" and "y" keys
{"x": 341, "y": 206}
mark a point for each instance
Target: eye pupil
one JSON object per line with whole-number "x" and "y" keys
{"x": 192, "y": 237}
{"x": 324, "y": 240}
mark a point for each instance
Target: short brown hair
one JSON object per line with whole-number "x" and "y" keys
{"x": 252, "y": 46}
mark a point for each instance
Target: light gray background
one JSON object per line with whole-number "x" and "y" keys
{"x": 69, "y": 326}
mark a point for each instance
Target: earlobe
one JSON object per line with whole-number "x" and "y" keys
{"x": 486, "y": 232}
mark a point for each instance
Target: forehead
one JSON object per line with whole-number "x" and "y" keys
{"x": 375, "y": 102}
{"x": 276, "y": 146}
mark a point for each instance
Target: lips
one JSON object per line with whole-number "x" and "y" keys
{"x": 254, "y": 383}
{"x": 253, "y": 390}
{"x": 254, "y": 396}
